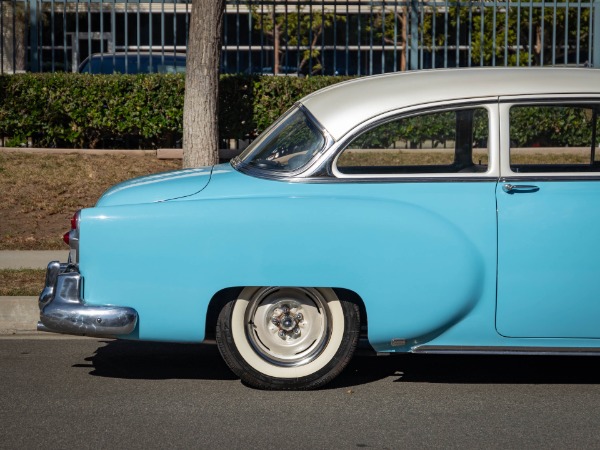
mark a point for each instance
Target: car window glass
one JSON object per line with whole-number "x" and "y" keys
{"x": 439, "y": 142}
{"x": 288, "y": 146}
{"x": 554, "y": 138}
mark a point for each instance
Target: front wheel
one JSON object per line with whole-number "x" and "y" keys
{"x": 287, "y": 338}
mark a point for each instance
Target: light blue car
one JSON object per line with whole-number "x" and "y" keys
{"x": 447, "y": 211}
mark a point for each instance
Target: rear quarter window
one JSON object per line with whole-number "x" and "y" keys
{"x": 450, "y": 141}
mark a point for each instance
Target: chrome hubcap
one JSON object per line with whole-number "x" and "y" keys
{"x": 287, "y": 321}
{"x": 288, "y": 326}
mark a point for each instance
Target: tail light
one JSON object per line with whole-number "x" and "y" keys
{"x": 71, "y": 237}
{"x": 75, "y": 220}
{"x": 74, "y": 225}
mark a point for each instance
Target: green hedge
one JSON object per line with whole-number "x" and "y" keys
{"x": 134, "y": 111}
{"x": 145, "y": 111}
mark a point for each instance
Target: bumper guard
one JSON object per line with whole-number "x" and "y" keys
{"x": 62, "y": 310}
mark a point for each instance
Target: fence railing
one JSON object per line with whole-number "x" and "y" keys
{"x": 300, "y": 36}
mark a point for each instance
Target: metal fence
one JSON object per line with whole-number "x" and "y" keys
{"x": 302, "y": 37}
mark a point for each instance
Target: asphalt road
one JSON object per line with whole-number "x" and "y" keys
{"x": 87, "y": 393}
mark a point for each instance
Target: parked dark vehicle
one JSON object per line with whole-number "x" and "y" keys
{"x": 133, "y": 63}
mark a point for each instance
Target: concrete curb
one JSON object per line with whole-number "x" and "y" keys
{"x": 18, "y": 314}
{"x": 85, "y": 151}
{"x": 19, "y": 317}
{"x": 161, "y": 153}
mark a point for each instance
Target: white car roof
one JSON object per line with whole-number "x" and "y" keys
{"x": 341, "y": 107}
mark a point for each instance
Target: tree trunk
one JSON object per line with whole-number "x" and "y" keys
{"x": 276, "y": 48}
{"x": 200, "y": 108}
{"x": 13, "y": 38}
{"x": 539, "y": 42}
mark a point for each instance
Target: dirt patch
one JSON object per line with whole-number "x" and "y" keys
{"x": 22, "y": 281}
{"x": 40, "y": 192}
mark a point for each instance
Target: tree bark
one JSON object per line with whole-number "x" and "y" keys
{"x": 276, "y": 48}
{"x": 13, "y": 38}
{"x": 200, "y": 108}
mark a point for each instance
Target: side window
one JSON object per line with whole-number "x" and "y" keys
{"x": 438, "y": 142}
{"x": 554, "y": 138}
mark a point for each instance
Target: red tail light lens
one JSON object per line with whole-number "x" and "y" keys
{"x": 74, "y": 222}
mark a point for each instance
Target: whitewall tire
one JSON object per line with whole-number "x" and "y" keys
{"x": 287, "y": 337}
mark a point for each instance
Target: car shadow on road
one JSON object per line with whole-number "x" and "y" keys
{"x": 472, "y": 369}
{"x": 159, "y": 361}
{"x": 152, "y": 360}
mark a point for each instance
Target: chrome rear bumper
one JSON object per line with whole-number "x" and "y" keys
{"x": 62, "y": 310}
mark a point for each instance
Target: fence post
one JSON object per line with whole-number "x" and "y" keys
{"x": 34, "y": 62}
{"x": 595, "y": 41}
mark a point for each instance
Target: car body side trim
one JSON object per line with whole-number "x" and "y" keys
{"x": 554, "y": 177}
{"x": 371, "y": 180}
{"x": 462, "y": 350}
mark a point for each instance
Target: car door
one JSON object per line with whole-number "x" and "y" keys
{"x": 423, "y": 182}
{"x": 548, "y": 202}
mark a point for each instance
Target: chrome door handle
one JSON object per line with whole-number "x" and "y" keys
{"x": 514, "y": 188}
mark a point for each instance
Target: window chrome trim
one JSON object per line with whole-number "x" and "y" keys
{"x": 506, "y": 103}
{"x": 549, "y": 98}
{"x": 488, "y": 104}
{"x": 320, "y": 168}
{"x": 407, "y": 179}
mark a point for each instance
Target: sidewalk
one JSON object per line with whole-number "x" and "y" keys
{"x": 19, "y": 315}
{"x": 26, "y": 259}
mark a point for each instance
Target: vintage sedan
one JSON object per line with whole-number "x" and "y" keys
{"x": 446, "y": 211}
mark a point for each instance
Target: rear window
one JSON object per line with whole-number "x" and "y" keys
{"x": 289, "y": 145}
